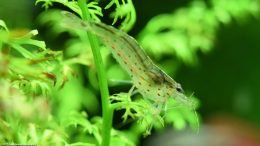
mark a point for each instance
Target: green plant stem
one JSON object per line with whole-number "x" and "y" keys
{"x": 107, "y": 112}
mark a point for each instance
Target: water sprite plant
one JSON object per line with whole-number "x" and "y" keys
{"x": 42, "y": 91}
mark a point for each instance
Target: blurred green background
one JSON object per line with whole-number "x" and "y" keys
{"x": 226, "y": 79}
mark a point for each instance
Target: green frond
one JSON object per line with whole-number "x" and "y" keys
{"x": 94, "y": 10}
{"x": 125, "y": 11}
{"x": 192, "y": 29}
{"x": 3, "y": 25}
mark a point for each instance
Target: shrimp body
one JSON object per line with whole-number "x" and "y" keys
{"x": 151, "y": 82}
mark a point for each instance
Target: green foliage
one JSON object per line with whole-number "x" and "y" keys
{"x": 124, "y": 9}
{"x": 42, "y": 93}
{"x": 188, "y": 30}
{"x": 27, "y": 69}
{"x": 27, "y": 78}
{"x": 94, "y": 9}
{"x": 3, "y": 25}
{"x": 127, "y": 10}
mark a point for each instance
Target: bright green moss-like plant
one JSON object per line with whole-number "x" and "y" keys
{"x": 43, "y": 94}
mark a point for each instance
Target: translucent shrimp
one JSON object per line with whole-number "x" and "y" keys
{"x": 151, "y": 82}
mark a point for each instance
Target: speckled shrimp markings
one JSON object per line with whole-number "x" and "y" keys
{"x": 150, "y": 80}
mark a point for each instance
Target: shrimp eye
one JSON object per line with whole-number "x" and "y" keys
{"x": 179, "y": 89}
